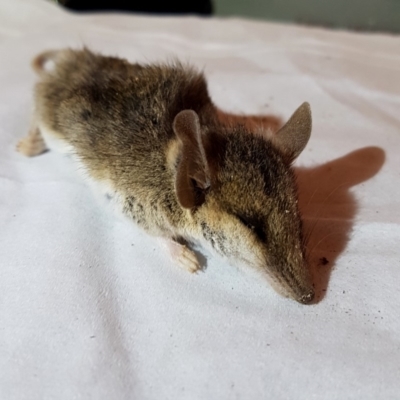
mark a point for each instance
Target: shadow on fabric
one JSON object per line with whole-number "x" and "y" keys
{"x": 329, "y": 208}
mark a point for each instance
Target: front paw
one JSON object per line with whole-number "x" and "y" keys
{"x": 182, "y": 255}
{"x": 187, "y": 259}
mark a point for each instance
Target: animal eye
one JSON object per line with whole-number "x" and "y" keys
{"x": 244, "y": 222}
{"x": 254, "y": 226}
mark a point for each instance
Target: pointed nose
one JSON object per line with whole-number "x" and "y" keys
{"x": 307, "y": 298}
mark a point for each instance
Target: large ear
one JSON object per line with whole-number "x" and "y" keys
{"x": 193, "y": 173}
{"x": 294, "y": 135}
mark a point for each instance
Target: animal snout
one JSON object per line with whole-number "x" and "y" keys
{"x": 307, "y": 298}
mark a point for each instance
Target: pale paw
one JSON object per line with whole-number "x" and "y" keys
{"x": 188, "y": 260}
{"x": 182, "y": 255}
{"x": 31, "y": 145}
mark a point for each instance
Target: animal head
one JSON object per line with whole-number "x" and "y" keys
{"x": 242, "y": 194}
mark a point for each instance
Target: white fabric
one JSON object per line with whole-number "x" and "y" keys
{"x": 92, "y": 308}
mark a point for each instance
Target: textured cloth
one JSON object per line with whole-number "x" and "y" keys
{"x": 92, "y": 308}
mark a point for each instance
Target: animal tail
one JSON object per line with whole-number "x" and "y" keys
{"x": 39, "y": 62}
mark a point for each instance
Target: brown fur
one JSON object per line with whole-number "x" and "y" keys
{"x": 152, "y": 137}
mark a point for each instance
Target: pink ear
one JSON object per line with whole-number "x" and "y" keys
{"x": 193, "y": 174}
{"x": 293, "y": 137}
